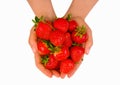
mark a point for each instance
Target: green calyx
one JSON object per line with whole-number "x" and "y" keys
{"x": 80, "y": 31}
{"x": 54, "y": 49}
{"x": 36, "y": 20}
{"x": 76, "y": 44}
{"x": 44, "y": 59}
{"x": 51, "y": 47}
{"x": 69, "y": 17}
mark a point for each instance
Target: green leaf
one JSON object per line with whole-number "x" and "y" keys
{"x": 44, "y": 59}
{"x": 83, "y": 29}
{"x": 33, "y": 21}
{"x": 69, "y": 17}
{"x": 36, "y": 19}
{"x": 76, "y": 44}
{"x": 42, "y": 18}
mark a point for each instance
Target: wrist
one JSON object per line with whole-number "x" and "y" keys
{"x": 81, "y": 7}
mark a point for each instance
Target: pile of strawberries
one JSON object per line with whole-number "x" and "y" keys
{"x": 60, "y": 42}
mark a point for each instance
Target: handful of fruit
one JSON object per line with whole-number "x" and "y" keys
{"x": 60, "y": 42}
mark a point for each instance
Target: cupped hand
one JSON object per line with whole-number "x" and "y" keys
{"x": 50, "y": 73}
{"x": 87, "y": 45}
{"x": 39, "y": 65}
{"x": 89, "y": 42}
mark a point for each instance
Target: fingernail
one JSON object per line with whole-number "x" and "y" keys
{"x": 87, "y": 51}
{"x": 69, "y": 76}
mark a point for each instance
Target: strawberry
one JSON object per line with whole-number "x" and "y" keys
{"x": 72, "y": 23}
{"x": 43, "y": 28}
{"x": 57, "y": 38}
{"x": 50, "y": 23}
{"x": 77, "y": 53}
{"x": 66, "y": 66}
{"x": 61, "y": 54}
{"x": 79, "y": 35}
{"x": 68, "y": 40}
{"x": 43, "y": 48}
{"x": 61, "y": 24}
{"x": 50, "y": 62}
{"x": 60, "y": 43}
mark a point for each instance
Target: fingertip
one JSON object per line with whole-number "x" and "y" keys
{"x": 42, "y": 68}
{"x": 62, "y": 75}
{"x": 50, "y": 76}
{"x": 48, "y": 73}
{"x": 68, "y": 76}
{"x": 87, "y": 51}
{"x": 55, "y": 73}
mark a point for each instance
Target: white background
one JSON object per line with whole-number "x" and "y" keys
{"x": 100, "y": 67}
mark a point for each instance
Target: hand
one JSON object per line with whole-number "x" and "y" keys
{"x": 84, "y": 7}
{"x": 43, "y": 6}
{"x": 89, "y": 42}
{"x": 50, "y": 73}
{"x": 87, "y": 46}
{"x": 33, "y": 44}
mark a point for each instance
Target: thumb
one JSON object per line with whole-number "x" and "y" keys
{"x": 88, "y": 46}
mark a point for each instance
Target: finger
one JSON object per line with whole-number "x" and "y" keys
{"x": 41, "y": 67}
{"x": 43, "y": 70}
{"x": 33, "y": 40}
{"x": 33, "y": 44}
{"x": 70, "y": 74}
{"x": 55, "y": 73}
{"x": 89, "y": 42}
{"x": 62, "y": 75}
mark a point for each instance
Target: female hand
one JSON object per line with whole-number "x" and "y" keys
{"x": 40, "y": 66}
{"x": 40, "y": 8}
{"x": 84, "y": 8}
{"x": 87, "y": 45}
{"x": 44, "y": 5}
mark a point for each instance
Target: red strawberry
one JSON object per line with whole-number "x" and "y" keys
{"x": 43, "y": 48}
{"x": 68, "y": 40}
{"x": 57, "y": 38}
{"x": 72, "y": 23}
{"x": 61, "y": 54}
{"x": 79, "y": 35}
{"x": 50, "y": 23}
{"x": 61, "y": 24}
{"x": 77, "y": 53}
{"x": 50, "y": 62}
{"x": 66, "y": 66}
{"x": 43, "y": 30}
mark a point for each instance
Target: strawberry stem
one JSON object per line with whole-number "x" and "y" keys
{"x": 41, "y": 19}
{"x": 51, "y": 47}
{"x": 76, "y": 44}
{"x": 69, "y": 17}
{"x": 57, "y": 49}
{"x": 83, "y": 29}
{"x": 44, "y": 59}
{"x": 36, "y": 20}
{"x": 80, "y": 31}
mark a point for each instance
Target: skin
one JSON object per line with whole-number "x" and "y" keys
{"x": 81, "y": 8}
{"x": 40, "y": 8}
